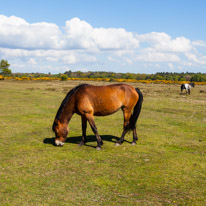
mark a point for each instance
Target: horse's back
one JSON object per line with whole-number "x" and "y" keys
{"x": 108, "y": 91}
{"x": 104, "y": 100}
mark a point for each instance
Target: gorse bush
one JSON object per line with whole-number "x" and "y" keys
{"x": 64, "y": 77}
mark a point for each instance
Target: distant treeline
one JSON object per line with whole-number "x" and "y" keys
{"x": 196, "y": 77}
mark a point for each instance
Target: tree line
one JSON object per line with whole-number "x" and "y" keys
{"x": 196, "y": 77}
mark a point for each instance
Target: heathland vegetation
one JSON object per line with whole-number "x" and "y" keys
{"x": 195, "y": 77}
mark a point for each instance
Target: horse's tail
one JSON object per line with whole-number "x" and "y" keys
{"x": 136, "y": 111}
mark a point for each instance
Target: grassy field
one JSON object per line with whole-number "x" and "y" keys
{"x": 166, "y": 167}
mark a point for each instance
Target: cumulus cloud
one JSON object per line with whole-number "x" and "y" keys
{"x": 200, "y": 60}
{"x": 199, "y": 43}
{"x": 163, "y": 42}
{"x": 17, "y": 33}
{"x": 148, "y": 56}
{"x": 79, "y": 43}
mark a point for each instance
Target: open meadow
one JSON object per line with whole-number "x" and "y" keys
{"x": 166, "y": 167}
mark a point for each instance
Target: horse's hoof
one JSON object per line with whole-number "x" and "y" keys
{"x": 117, "y": 144}
{"x": 98, "y": 148}
{"x": 133, "y": 143}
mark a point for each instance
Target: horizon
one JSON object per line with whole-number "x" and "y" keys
{"x": 111, "y": 36}
{"x": 204, "y": 73}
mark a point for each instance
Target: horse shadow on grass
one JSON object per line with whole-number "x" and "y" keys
{"x": 90, "y": 139}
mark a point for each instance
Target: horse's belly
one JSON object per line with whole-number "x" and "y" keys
{"x": 105, "y": 112}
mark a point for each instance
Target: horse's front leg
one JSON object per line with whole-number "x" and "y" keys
{"x": 84, "y": 128}
{"x": 90, "y": 118}
{"x": 121, "y": 140}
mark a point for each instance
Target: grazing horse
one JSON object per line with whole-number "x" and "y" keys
{"x": 89, "y": 101}
{"x": 187, "y": 87}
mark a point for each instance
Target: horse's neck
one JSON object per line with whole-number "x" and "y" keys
{"x": 66, "y": 117}
{"x": 67, "y": 112}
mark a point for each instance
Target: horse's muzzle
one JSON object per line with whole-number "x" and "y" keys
{"x": 59, "y": 143}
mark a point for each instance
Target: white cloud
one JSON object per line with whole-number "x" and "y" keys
{"x": 170, "y": 65}
{"x": 17, "y": 33}
{"x": 67, "y": 56}
{"x": 150, "y": 56}
{"x": 78, "y": 43}
{"x": 199, "y": 43}
{"x": 201, "y": 60}
{"x": 163, "y": 42}
{"x": 81, "y": 35}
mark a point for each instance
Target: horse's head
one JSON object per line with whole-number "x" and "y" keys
{"x": 61, "y": 131}
{"x": 192, "y": 84}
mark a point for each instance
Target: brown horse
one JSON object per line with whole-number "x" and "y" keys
{"x": 89, "y": 101}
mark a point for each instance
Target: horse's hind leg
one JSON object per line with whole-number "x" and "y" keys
{"x": 121, "y": 140}
{"x": 94, "y": 129}
{"x": 135, "y": 138}
{"x": 84, "y": 127}
{"x": 127, "y": 115}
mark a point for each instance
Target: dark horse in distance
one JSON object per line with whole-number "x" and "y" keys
{"x": 187, "y": 87}
{"x": 89, "y": 101}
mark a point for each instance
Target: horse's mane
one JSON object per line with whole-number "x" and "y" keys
{"x": 64, "y": 102}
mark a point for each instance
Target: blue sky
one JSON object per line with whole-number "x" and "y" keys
{"x": 144, "y": 36}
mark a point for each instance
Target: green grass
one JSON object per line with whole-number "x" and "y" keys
{"x": 166, "y": 167}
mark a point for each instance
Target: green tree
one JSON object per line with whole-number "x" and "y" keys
{"x": 64, "y": 77}
{"x": 198, "y": 78}
{"x": 4, "y": 67}
{"x": 181, "y": 78}
{"x": 159, "y": 77}
{"x": 68, "y": 73}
